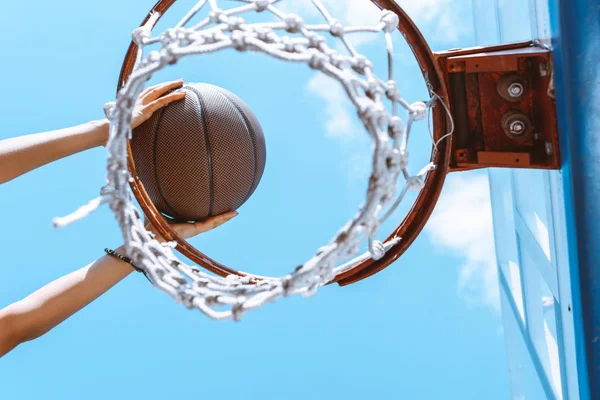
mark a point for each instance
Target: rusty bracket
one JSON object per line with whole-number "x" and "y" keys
{"x": 503, "y": 107}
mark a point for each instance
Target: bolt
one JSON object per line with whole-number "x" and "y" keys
{"x": 517, "y": 127}
{"x": 516, "y": 124}
{"x": 516, "y": 89}
{"x": 543, "y": 69}
{"x": 512, "y": 86}
{"x": 549, "y": 148}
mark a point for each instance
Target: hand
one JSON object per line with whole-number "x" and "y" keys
{"x": 153, "y": 99}
{"x": 191, "y": 229}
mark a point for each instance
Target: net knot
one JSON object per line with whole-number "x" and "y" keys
{"x": 288, "y": 44}
{"x": 170, "y": 54}
{"x": 234, "y": 23}
{"x": 391, "y": 91}
{"x": 211, "y": 37}
{"x": 108, "y": 109}
{"x": 371, "y": 111}
{"x": 317, "y": 59}
{"x": 397, "y": 160}
{"x": 237, "y": 310}
{"x": 372, "y": 87}
{"x": 337, "y": 61}
{"x": 180, "y": 35}
{"x": 376, "y": 250}
{"x": 390, "y": 20}
{"x": 261, "y": 5}
{"x": 314, "y": 40}
{"x": 361, "y": 64}
{"x": 238, "y": 40}
{"x": 287, "y": 285}
{"x": 139, "y": 35}
{"x": 171, "y": 35}
{"x": 154, "y": 56}
{"x": 265, "y": 35}
{"x": 403, "y": 155}
{"x": 396, "y": 127}
{"x": 336, "y": 28}
{"x": 293, "y": 23}
{"x": 216, "y": 16}
{"x": 418, "y": 111}
{"x": 185, "y": 298}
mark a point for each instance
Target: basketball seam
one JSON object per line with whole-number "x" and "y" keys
{"x": 251, "y": 134}
{"x": 203, "y": 117}
{"x": 154, "y": 159}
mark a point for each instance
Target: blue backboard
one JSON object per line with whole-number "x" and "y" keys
{"x": 545, "y": 222}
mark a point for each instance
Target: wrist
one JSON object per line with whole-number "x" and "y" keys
{"x": 121, "y": 250}
{"x": 119, "y": 253}
{"x": 101, "y": 130}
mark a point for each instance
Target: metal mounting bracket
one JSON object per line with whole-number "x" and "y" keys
{"x": 502, "y": 102}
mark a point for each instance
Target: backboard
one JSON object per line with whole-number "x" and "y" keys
{"x": 545, "y": 221}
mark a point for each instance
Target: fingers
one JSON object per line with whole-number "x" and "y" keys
{"x": 215, "y": 221}
{"x": 190, "y": 230}
{"x": 154, "y": 92}
{"x": 157, "y": 104}
{"x": 153, "y": 98}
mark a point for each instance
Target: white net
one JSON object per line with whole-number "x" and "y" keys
{"x": 288, "y": 38}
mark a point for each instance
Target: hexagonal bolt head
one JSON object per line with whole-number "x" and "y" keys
{"x": 516, "y": 125}
{"x": 516, "y": 90}
{"x": 512, "y": 87}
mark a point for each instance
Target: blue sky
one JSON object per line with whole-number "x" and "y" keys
{"x": 426, "y": 328}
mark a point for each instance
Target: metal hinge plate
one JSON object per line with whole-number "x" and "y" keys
{"x": 502, "y": 104}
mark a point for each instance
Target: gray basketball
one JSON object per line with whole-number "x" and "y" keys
{"x": 200, "y": 156}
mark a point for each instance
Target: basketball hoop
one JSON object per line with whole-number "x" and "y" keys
{"x": 402, "y": 237}
{"x": 241, "y": 291}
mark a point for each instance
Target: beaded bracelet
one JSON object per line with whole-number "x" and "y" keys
{"x": 127, "y": 260}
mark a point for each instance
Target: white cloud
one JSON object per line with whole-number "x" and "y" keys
{"x": 462, "y": 224}
{"x": 340, "y": 122}
{"x": 444, "y": 20}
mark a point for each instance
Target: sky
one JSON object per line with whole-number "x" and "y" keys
{"x": 428, "y": 327}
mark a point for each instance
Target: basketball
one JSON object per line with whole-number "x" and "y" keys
{"x": 201, "y": 156}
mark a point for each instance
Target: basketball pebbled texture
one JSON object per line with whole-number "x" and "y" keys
{"x": 201, "y": 156}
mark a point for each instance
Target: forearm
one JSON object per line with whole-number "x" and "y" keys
{"x": 22, "y": 154}
{"x": 52, "y": 304}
